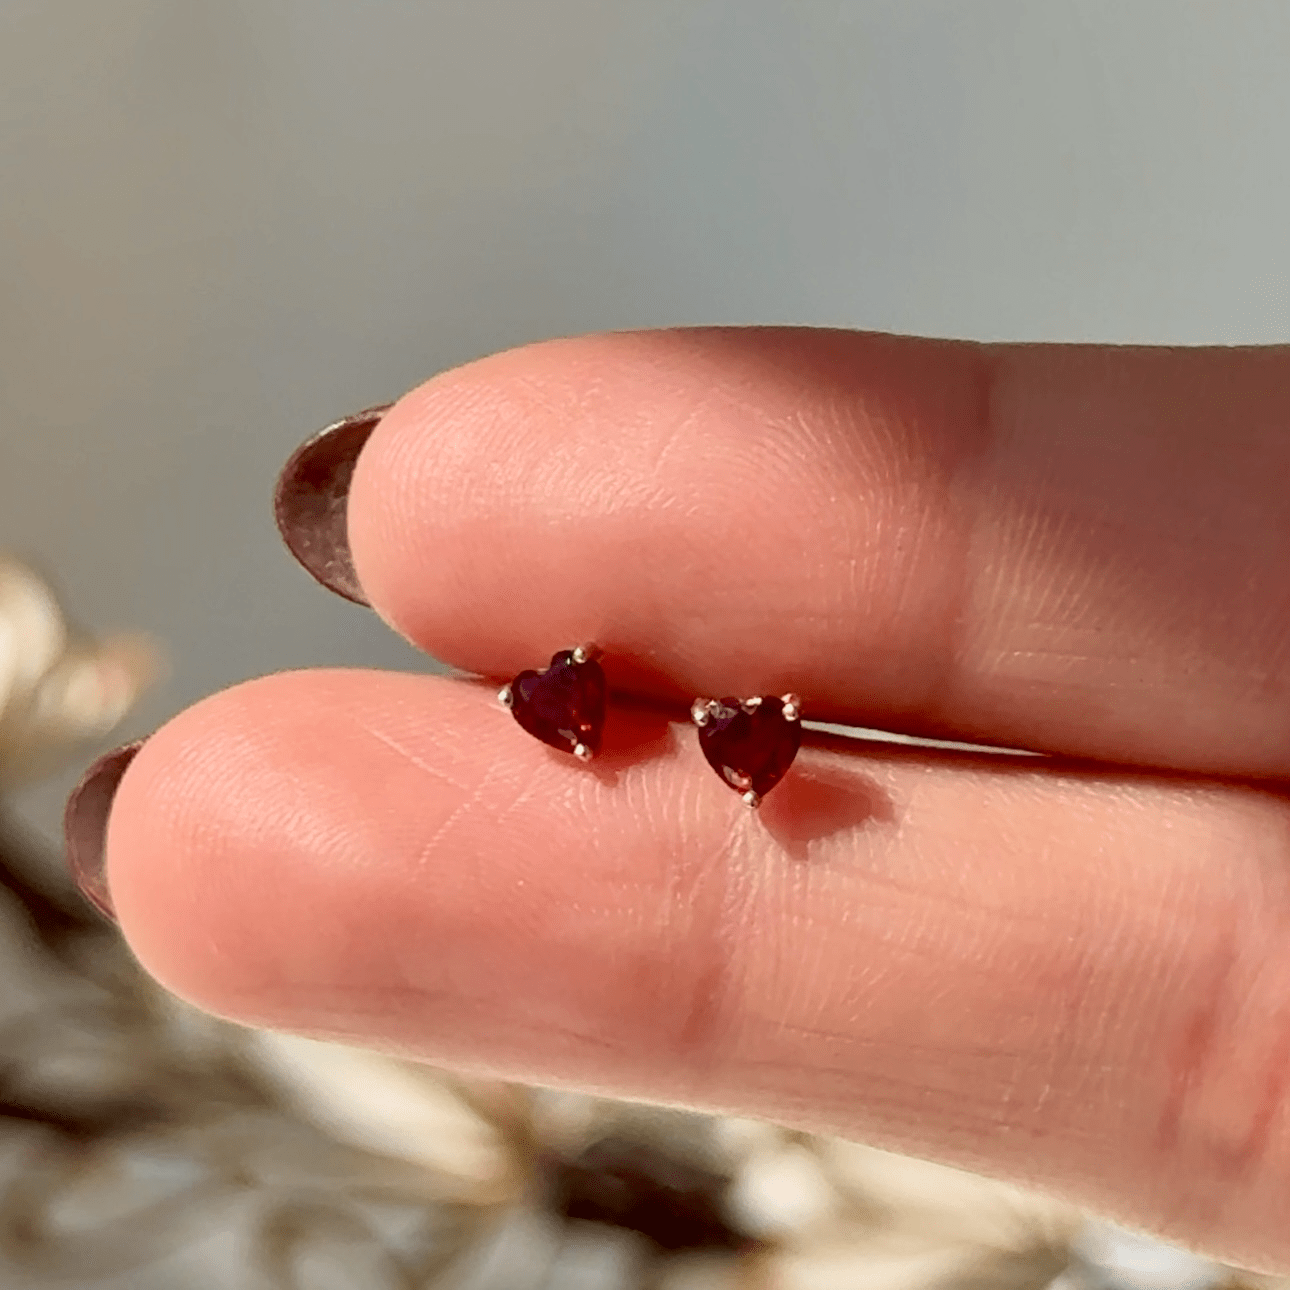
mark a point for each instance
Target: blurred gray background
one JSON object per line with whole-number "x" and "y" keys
{"x": 223, "y": 223}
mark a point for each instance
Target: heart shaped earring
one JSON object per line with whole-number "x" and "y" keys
{"x": 564, "y": 704}
{"x": 750, "y": 743}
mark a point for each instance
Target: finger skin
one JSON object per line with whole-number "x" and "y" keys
{"x": 1063, "y": 548}
{"x": 1073, "y": 981}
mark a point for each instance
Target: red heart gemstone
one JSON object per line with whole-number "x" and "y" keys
{"x": 751, "y": 751}
{"x": 563, "y": 705}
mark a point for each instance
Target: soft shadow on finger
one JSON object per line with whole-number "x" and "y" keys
{"x": 816, "y": 802}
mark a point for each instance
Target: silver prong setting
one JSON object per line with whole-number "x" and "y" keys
{"x": 585, "y": 652}
{"x": 792, "y": 707}
{"x": 582, "y": 752}
{"x": 506, "y": 697}
{"x": 700, "y": 710}
{"x": 750, "y": 800}
{"x": 751, "y": 705}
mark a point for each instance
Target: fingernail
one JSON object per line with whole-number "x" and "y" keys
{"x": 85, "y": 824}
{"x": 311, "y": 497}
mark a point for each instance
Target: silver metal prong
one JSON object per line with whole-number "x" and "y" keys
{"x": 585, "y": 653}
{"x": 792, "y": 707}
{"x": 751, "y": 705}
{"x": 699, "y": 711}
{"x": 582, "y": 752}
{"x": 750, "y": 800}
{"x": 506, "y": 696}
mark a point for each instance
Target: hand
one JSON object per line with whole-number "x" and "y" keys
{"x": 1071, "y": 974}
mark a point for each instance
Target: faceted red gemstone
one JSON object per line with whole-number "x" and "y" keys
{"x": 564, "y": 705}
{"x": 750, "y": 750}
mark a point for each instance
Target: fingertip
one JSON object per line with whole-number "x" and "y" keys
{"x": 236, "y": 807}
{"x": 166, "y": 814}
{"x": 429, "y": 515}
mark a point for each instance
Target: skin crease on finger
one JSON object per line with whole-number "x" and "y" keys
{"x": 1074, "y": 980}
{"x": 1070, "y": 549}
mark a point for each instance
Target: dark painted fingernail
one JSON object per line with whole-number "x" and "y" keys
{"x": 85, "y": 824}
{"x": 311, "y": 497}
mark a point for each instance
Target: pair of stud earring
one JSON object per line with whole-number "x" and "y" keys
{"x": 750, "y": 743}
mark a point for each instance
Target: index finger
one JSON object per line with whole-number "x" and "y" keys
{"x": 1065, "y": 548}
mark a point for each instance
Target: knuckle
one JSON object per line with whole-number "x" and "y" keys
{"x": 1222, "y": 1127}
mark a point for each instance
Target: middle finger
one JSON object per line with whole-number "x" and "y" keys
{"x": 1074, "y": 550}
